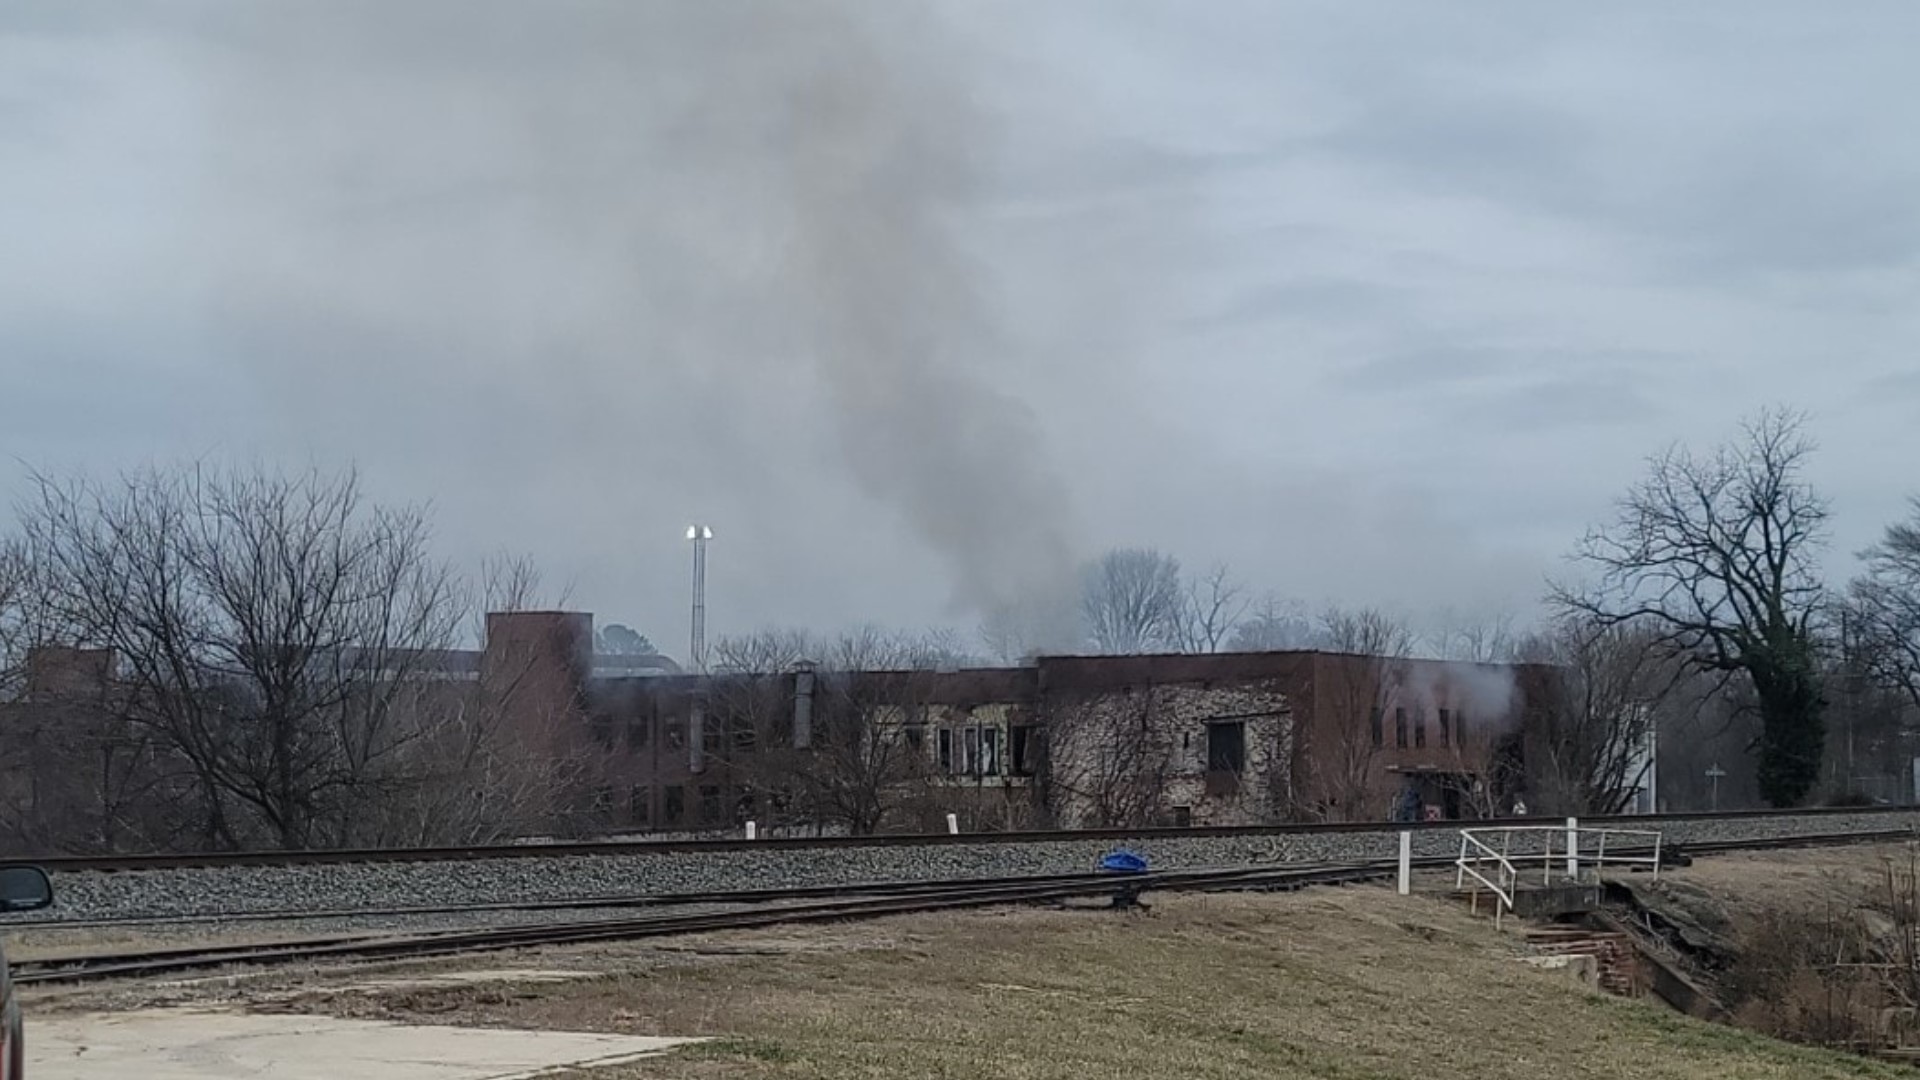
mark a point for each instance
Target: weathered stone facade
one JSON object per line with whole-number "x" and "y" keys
{"x": 1183, "y": 753}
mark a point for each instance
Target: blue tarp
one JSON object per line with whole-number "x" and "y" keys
{"x": 1122, "y": 861}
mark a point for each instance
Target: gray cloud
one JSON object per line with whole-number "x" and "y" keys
{"x": 916, "y": 303}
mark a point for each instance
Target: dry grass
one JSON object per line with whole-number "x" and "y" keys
{"x": 1752, "y": 884}
{"x": 1347, "y": 985}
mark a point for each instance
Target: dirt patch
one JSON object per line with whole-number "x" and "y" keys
{"x": 175, "y": 1044}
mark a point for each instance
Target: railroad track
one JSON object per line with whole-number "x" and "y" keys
{"x": 900, "y": 898}
{"x": 127, "y": 863}
{"x": 767, "y": 907}
{"x": 762, "y": 896}
{"x": 594, "y": 903}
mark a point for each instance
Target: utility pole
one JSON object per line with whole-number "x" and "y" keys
{"x": 699, "y": 534}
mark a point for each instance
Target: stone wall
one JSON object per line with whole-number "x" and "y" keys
{"x": 1141, "y": 755}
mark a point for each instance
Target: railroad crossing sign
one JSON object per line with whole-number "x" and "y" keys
{"x": 1714, "y": 773}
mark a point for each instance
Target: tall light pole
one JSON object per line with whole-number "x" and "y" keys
{"x": 699, "y": 534}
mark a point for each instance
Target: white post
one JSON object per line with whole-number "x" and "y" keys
{"x": 753, "y": 830}
{"x": 1573, "y": 849}
{"x": 1406, "y": 862}
{"x": 1653, "y": 766}
{"x": 953, "y": 824}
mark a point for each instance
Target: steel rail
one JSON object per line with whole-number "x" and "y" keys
{"x": 76, "y": 968}
{"x": 906, "y": 897}
{"x": 585, "y": 903}
{"x": 779, "y": 894}
{"x": 193, "y": 860}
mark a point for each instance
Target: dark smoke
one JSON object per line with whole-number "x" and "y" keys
{"x": 694, "y": 222}
{"x": 883, "y": 159}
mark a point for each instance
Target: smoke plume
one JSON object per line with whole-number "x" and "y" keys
{"x": 886, "y": 159}
{"x": 718, "y": 237}
{"x": 1486, "y": 693}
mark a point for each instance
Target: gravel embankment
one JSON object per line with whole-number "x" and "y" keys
{"x": 85, "y": 895}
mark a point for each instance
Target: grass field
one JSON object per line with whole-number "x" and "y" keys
{"x": 1354, "y": 984}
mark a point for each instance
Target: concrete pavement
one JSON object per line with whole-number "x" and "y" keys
{"x": 187, "y": 1044}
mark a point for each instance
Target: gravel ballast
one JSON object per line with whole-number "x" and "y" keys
{"x": 162, "y": 893}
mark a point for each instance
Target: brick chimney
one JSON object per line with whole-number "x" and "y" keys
{"x": 539, "y": 662}
{"x": 69, "y": 674}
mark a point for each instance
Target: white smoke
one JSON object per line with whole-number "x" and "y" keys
{"x": 1487, "y": 695}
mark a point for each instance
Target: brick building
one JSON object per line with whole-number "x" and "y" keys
{"x": 1233, "y": 738}
{"x": 1230, "y": 738}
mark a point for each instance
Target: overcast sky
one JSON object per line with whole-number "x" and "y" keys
{"x": 915, "y": 303}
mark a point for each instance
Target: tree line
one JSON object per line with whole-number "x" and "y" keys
{"x": 1702, "y": 602}
{"x": 250, "y": 658}
{"x": 279, "y": 644}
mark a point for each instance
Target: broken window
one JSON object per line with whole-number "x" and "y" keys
{"x": 1182, "y": 816}
{"x": 1446, "y": 728}
{"x": 990, "y": 751}
{"x": 1419, "y": 729}
{"x": 1025, "y": 748}
{"x": 946, "y": 751}
{"x": 640, "y": 805}
{"x": 709, "y": 805}
{"x": 638, "y": 729}
{"x": 602, "y": 799}
{"x": 1376, "y": 728}
{"x": 970, "y": 757}
{"x": 676, "y": 808}
{"x": 676, "y": 735}
{"x": 915, "y": 736}
{"x": 1460, "y": 728}
{"x": 1400, "y": 728}
{"x": 1227, "y": 747}
{"x": 603, "y": 732}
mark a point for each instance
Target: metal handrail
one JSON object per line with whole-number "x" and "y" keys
{"x": 1475, "y": 852}
{"x": 1507, "y": 875}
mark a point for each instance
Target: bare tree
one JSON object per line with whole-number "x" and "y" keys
{"x": 1366, "y": 632}
{"x": 1211, "y": 607}
{"x": 861, "y": 760}
{"x": 1109, "y": 759}
{"x": 1273, "y": 624}
{"x": 1607, "y": 688}
{"x": 19, "y": 615}
{"x": 1871, "y": 708}
{"x": 1359, "y": 689}
{"x": 1004, "y": 636}
{"x": 1885, "y": 609}
{"x": 75, "y": 774}
{"x": 1717, "y": 554}
{"x": 1487, "y": 640}
{"x": 869, "y": 690}
{"x": 267, "y": 626}
{"x": 1015, "y": 631}
{"x": 1131, "y": 599}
